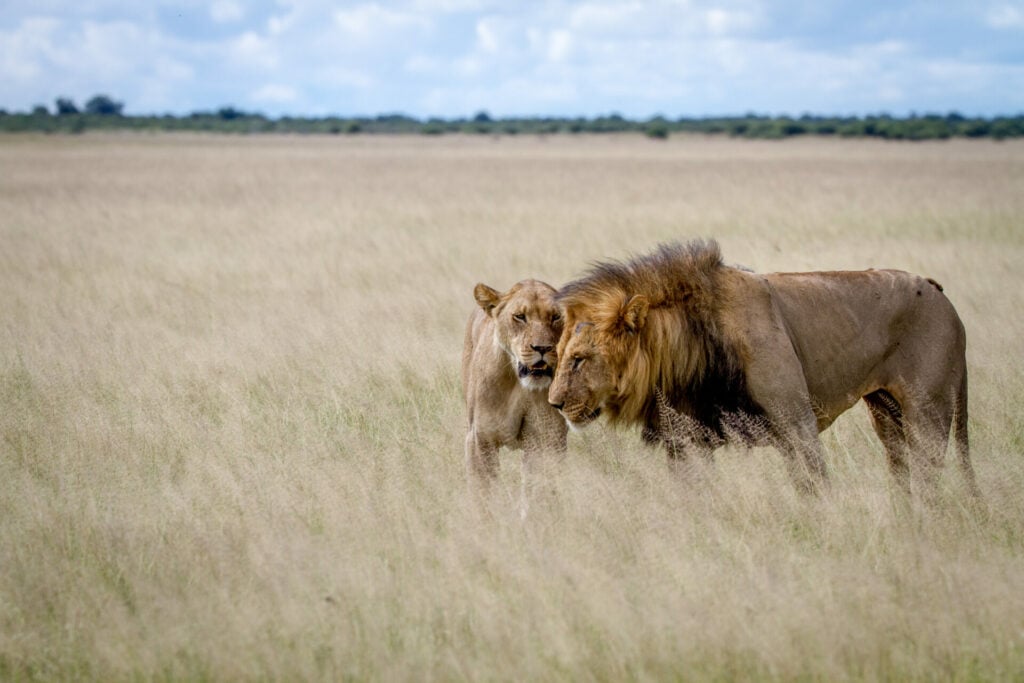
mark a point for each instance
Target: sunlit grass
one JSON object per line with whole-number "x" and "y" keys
{"x": 231, "y": 425}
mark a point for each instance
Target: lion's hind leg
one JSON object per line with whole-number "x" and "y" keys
{"x": 887, "y": 418}
{"x": 961, "y": 441}
{"x": 927, "y": 422}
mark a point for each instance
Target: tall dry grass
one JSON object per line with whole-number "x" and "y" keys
{"x": 231, "y": 426}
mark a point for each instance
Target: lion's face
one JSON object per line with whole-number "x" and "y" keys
{"x": 595, "y": 352}
{"x": 527, "y": 326}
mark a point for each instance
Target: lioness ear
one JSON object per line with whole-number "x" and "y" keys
{"x": 634, "y": 313}
{"x": 486, "y": 297}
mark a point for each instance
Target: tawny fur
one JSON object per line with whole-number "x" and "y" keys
{"x": 764, "y": 358}
{"x": 508, "y": 359}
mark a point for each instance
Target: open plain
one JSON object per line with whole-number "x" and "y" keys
{"x": 231, "y": 427}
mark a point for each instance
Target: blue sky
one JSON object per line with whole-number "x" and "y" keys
{"x": 453, "y": 58}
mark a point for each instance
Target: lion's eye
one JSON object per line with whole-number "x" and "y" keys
{"x": 555, "y": 318}
{"x": 521, "y": 317}
{"x": 577, "y": 362}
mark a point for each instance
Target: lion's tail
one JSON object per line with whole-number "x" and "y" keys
{"x": 960, "y": 440}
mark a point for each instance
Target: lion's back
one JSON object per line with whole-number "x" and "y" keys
{"x": 474, "y": 337}
{"x": 855, "y": 330}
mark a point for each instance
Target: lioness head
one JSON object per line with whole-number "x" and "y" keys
{"x": 597, "y": 347}
{"x": 527, "y": 324}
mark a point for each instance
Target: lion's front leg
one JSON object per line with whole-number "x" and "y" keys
{"x": 807, "y": 466}
{"x": 799, "y": 444}
{"x": 691, "y": 462}
{"x": 776, "y": 384}
{"x": 682, "y": 436}
{"x": 481, "y": 461}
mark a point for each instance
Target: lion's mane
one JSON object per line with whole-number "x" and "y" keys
{"x": 683, "y": 354}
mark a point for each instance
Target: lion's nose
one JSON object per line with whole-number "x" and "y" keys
{"x": 557, "y": 406}
{"x": 541, "y": 349}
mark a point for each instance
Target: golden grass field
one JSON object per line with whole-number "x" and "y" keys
{"x": 231, "y": 423}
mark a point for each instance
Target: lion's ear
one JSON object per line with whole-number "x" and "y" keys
{"x": 486, "y": 297}
{"x": 634, "y": 313}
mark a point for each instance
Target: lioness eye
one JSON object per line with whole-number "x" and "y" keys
{"x": 577, "y": 362}
{"x": 555, "y": 318}
{"x": 521, "y": 317}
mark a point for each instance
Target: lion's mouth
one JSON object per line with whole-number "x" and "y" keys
{"x": 583, "y": 418}
{"x": 538, "y": 369}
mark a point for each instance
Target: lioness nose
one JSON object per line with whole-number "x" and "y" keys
{"x": 556, "y": 406}
{"x": 541, "y": 349}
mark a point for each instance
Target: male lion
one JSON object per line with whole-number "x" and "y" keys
{"x": 508, "y": 360}
{"x": 700, "y": 353}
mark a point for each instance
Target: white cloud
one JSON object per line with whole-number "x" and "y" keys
{"x": 890, "y": 94}
{"x": 1005, "y": 17}
{"x": 370, "y": 22}
{"x": 43, "y": 58}
{"x": 885, "y": 48}
{"x": 112, "y": 49}
{"x": 162, "y": 91}
{"x": 342, "y": 76}
{"x": 559, "y": 45}
{"x": 23, "y": 51}
{"x": 502, "y": 98}
{"x": 423, "y": 64}
{"x": 468, "y": 67}
{"x": 103, "y": 51}
{"x": 605, "y": 17}
{"x": 451, "y": 57}
{"x": 274, "y": 93}
{"x": 722, "y": 22}
{"x": 453, "y": 6}
{"x": 253, "y": 50}
{"x": 487, "y": 35}
{"x": 226, "y": 11}
{"x": 168, "y": 69}
{"x": 277, "y": 25}
{"x": 733, "y": 57}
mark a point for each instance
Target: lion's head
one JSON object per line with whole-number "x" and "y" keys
{"x": 598, "y": 352}
{"x": 527, "y": 325}
{"x": 621, "y": 322}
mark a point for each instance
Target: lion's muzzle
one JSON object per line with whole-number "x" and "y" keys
{"x": 535, "y": 367}
{"x": 581, "y": 418}
{"x": 538, "y": 369}
{"x": 536, "y": 377}
{"x": 578, "y": 416}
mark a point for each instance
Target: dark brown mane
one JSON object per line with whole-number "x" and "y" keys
{"x": 665, "y": 276}
{"x": 688, "y": 360}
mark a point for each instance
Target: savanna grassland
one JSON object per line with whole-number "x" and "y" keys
{"x": 231, "y": 426}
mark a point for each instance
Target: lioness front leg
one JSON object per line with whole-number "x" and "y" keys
{"x": 481, "y": 462}
{"x": 542, "y": 458}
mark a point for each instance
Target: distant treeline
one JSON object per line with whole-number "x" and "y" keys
{"x": 103, "y": 113}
